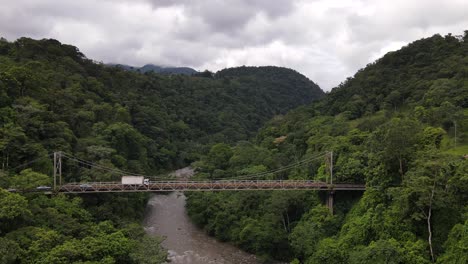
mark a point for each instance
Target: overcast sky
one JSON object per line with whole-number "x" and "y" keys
{"x": 325, "y": 40}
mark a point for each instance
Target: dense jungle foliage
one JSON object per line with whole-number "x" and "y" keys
{"x": 52, "y": 98}
{"x": 400, "y": 125}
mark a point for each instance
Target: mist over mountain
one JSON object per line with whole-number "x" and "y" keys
{"x": 157, "y": 69}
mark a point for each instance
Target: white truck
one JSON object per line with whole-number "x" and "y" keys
{"x": 134, "y": 180}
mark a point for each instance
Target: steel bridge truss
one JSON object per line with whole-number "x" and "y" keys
{"x": 223, "y": 185}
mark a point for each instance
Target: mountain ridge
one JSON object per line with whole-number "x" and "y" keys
{"x": 157, "y": 69}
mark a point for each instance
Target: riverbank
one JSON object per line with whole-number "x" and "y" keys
{"x": 166, "y": 217}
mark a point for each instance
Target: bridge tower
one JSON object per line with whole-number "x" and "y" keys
{"x": 57, "y": 169}
{"x": 330, "y": 193}
{"x": 329, "y": 200}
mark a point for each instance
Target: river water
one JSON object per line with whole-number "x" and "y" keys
{"x": 187, "y": 244}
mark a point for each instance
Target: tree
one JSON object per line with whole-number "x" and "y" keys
{"x": 432, "y": 136}
{"x": 28, "y": 180}
{"x": 396, "y": 143}
{"x": 12, "y": 207}
{"x": 387, "y": 251}
{"x": 9, "y": 251}
{"x": 314, "y": 226}
{"x": 11, "y": 138}
{"x": 219, "y": 155}
{"x": 328, "y": 251}
{"x": 456, "y": 249}
{"x": 427, "y": 188}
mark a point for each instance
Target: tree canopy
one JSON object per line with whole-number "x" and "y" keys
{"x": 399, "y": 126}
{"x": 392, "y": 127}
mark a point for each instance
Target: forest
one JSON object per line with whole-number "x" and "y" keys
{"x": 399, "y": 125}
{"x": 53, "y": 98}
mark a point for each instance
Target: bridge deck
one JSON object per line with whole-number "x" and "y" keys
{"x": 224, "y": 185}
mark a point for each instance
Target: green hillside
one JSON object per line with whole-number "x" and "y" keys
{"x": 60, "y": 100}
{"x": 425, "y": 73}
{"x": 400, "y": 125}
{"x": 53, "y": 98}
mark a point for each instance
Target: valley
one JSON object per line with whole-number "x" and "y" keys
{"x": 397, "y": 127}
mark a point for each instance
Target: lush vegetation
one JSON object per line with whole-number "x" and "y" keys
{"x": 52, "y": 98}
{"x": 39, "y": 229}
{"x": 400, "y": 126}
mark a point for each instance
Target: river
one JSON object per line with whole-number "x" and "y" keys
{"x": 187, "y": 244}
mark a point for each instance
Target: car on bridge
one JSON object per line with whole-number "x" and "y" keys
{"x": 86, "y": 186}
{"x": 43, "y": 188}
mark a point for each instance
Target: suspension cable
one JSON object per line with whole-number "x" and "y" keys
{"x": 287, "y": 167}
{"x": 122, "y": 172}
{"x": 32, "y": 161}
{"x": 98, "y": 166}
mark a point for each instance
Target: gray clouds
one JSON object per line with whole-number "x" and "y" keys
{"x": 324, "y": 39}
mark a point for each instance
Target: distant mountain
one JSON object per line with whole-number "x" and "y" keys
{"x": 158, "y": 69}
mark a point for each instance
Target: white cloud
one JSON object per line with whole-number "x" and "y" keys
{"x": 326, "y": 40}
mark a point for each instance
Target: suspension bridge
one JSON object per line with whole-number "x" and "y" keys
{"x": 251, "y": 182}
{"x": 221, "y": 185}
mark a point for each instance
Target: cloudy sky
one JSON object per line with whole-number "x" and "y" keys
{"x": 326, "y": 40}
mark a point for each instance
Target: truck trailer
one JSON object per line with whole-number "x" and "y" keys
{"x": 134, "y": 180}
